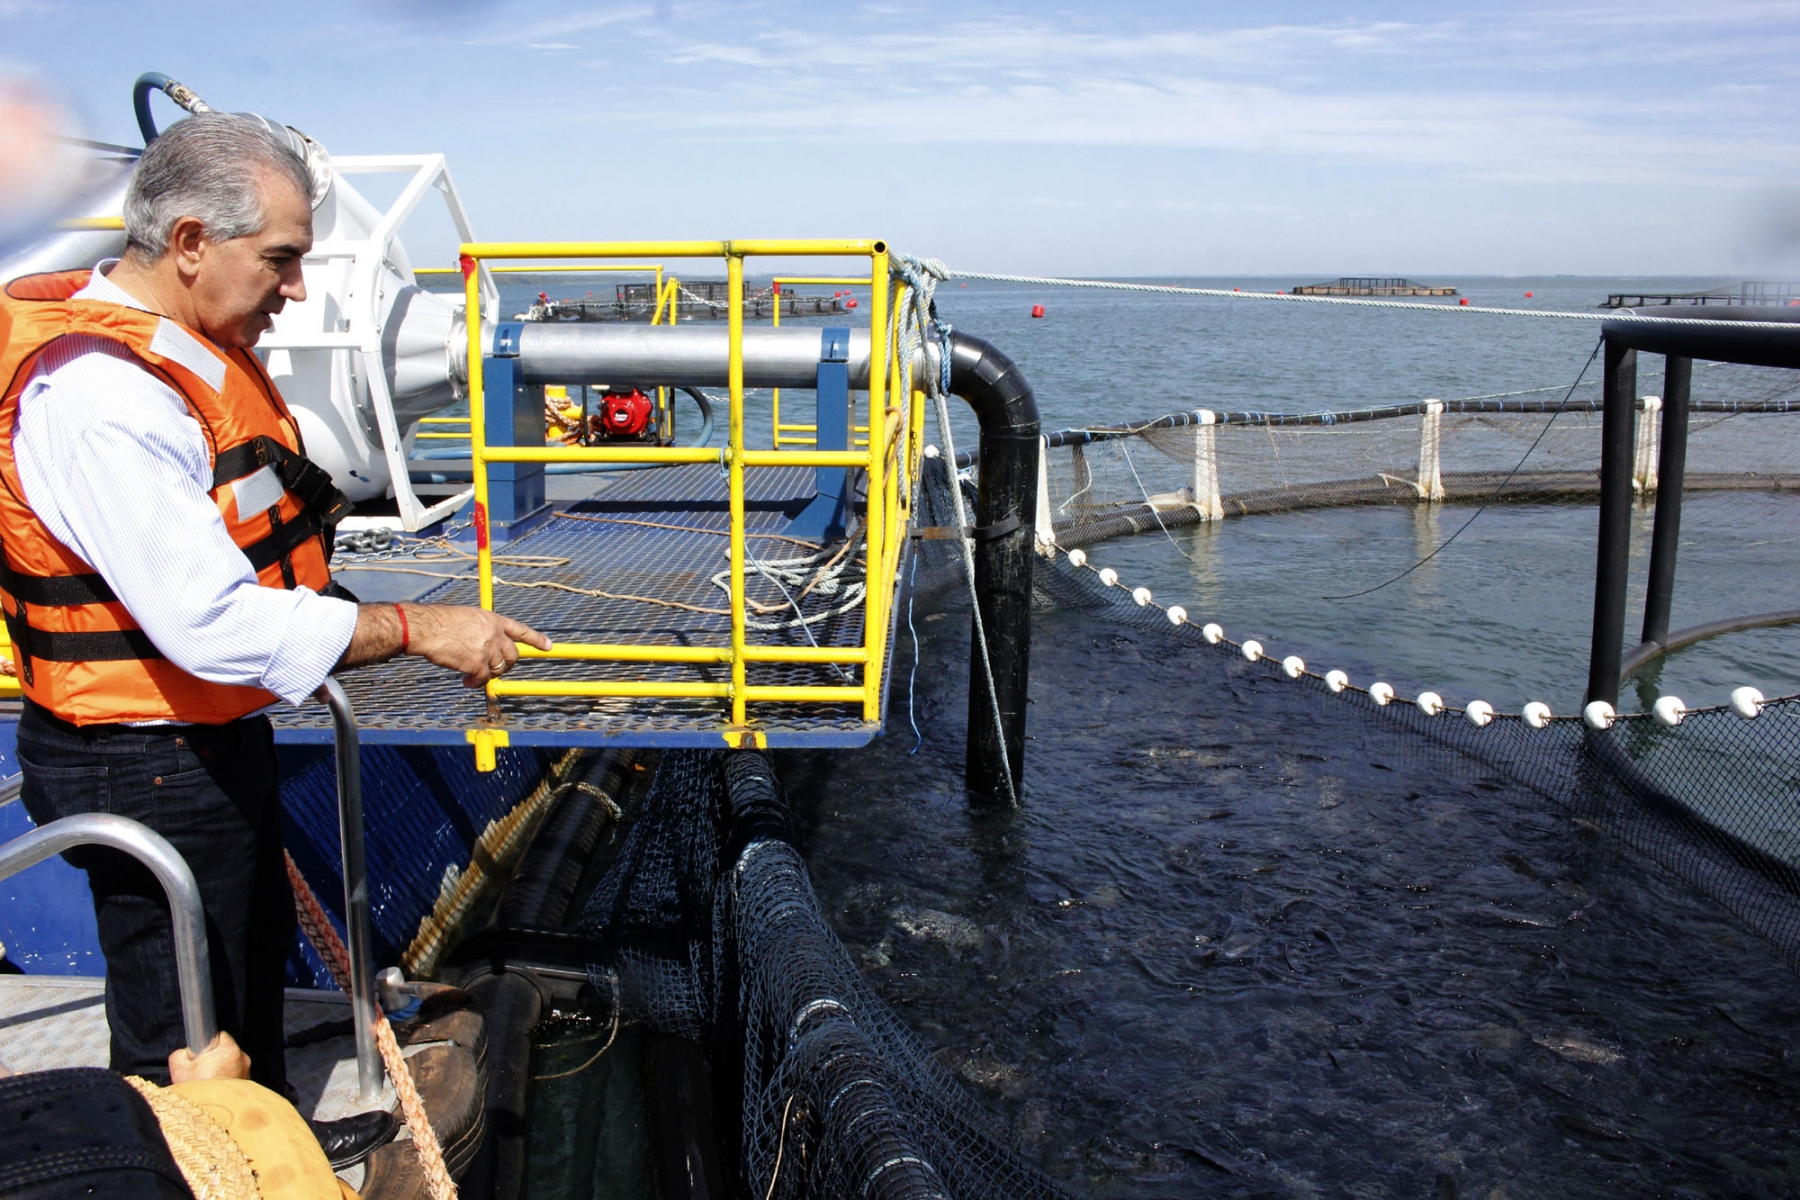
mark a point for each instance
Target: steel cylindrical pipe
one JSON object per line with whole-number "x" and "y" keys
{"x": 653, "y": 355}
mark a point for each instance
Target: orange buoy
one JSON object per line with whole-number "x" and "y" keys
{"x": 1234, "y": 289}
{"x": 850, "y": 303}
{"x": 1037, "y": 310}
{"x": 1528, "y": 295}
{"x": 1464, "y": 302}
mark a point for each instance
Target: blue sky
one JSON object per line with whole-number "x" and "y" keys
{"x": 1124, "y": 138}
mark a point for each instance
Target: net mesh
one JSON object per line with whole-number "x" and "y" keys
{"x": 708, "y": 919}
{"x": 1714, "y": 799}
{"x": 1194, "y": 466}
{"x": 712, "y": 931}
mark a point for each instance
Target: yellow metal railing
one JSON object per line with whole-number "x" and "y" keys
{"x": 781, "y": 433}
{"x": 886, "y": 457}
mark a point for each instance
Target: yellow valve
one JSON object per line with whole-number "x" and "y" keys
{"x": 486, "y": 743}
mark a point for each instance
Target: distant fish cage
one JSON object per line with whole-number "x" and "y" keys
{"x": 698, "y": 298}
{"x": 1354, "y": 286}
{"x": 1750, "y": 292}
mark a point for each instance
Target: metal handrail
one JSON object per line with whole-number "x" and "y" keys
{"x": 886, "y": 513}
{"x": 193, "y": 968}
{"x": 356, "y": 889}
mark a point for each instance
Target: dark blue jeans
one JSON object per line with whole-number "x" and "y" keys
{"x": 211, "y": 791}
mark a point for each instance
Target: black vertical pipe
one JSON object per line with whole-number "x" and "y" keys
{"x": 1671, "y": 468}
{"x": 994, "y": 387}
{"x": 1618, "y": 428}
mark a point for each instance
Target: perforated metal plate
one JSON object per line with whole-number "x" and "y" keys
{"x": 49, "y": 1022}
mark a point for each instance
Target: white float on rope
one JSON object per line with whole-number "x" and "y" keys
{"x": 1294, "y": 665}
{"x": 1430, "y": 703}
{"x": 1599, "y": 715}
{"x": 1213, "y": 633}
{"x": 1141, "y": 595}
{"x": 1336, "y": 680}
{"x": 1479, "y": 712}
{"x": 1177, "y": 614}
{"x": 1252, "y": 650}
{"x": 1078, "y": 558}
{"x": 1109, "y": 577}
{"x": 1380, "y": 692}
{"x": 1746, "y": 702}
{"x": 1537, "y": 714}
{"x": 1668, "y": 710}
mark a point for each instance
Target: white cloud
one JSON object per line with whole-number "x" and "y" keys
{"x": 1592, "y": 95}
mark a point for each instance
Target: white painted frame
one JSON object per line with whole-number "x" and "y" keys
{"x": 362, "y": 316}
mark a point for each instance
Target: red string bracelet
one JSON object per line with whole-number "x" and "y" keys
{"x": 405, "y": 633}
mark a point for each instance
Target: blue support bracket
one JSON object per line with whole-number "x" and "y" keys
{"x": 826, "y": 515}
{"x": 514, "y": 417}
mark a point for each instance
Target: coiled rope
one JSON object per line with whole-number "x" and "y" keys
{"x": 330, "y": 949}
{"x": 1354, "y": 301}
{"x": 824, "y": 573}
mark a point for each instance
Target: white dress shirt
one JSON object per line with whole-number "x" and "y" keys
{"x": 117, "y": 469}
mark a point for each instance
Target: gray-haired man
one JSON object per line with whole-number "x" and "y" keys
{"x": 163, "y": 589}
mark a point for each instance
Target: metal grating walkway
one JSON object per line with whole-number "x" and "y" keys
{"x": 636, "y": 563}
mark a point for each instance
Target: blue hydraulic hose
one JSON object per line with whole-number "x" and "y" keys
{"x": 149, "y": 81}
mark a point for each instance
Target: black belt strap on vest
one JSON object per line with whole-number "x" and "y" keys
{"x": 65, "y": 591}
{"x": 322, "y": 505}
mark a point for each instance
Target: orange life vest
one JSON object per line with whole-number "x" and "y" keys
{"x": 78, "y": 651}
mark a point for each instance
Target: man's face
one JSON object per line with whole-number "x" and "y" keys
{"x": 239, "y": 285}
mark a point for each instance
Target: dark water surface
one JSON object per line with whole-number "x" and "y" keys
{"x": 1504, "y": 613}
{"x": 1240, "y": 941}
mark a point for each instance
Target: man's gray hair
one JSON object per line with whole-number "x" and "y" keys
{"x": 209, "y": 166}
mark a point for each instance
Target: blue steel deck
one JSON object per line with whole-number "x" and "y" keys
{"x": 652, "y": 542}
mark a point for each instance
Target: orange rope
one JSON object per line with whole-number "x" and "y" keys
{"x": 331, "y": 949}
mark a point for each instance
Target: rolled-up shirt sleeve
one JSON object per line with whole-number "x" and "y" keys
{"x": 120, "y": 482}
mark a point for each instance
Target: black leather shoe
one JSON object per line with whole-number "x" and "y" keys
{"x": 349, "y": 1141}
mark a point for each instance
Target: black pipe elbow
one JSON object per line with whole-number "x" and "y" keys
{"x": 993, "y": 386}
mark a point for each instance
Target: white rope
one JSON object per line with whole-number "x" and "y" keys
{"x": 914, "y": 318}
{"x": 808, "y": 574}
{"x": 1221, "y": 293}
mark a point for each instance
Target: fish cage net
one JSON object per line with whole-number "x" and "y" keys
{"x": 1205, "y": 465}
{"x": 711, "y": 931}
{"x": 1714, "y": 799}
